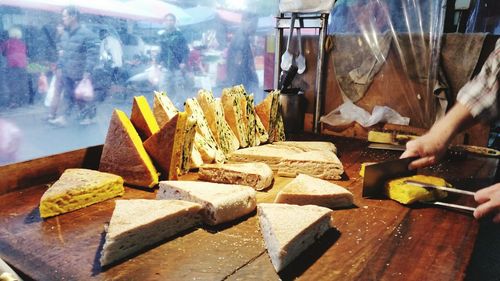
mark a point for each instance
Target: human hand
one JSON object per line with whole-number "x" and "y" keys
{"x": 182, "y": 66}
{"x": 489, "y": 202}
{"x": 430, "y": 147}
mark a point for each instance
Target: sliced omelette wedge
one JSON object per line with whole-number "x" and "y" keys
{"x": 79, "y": 188}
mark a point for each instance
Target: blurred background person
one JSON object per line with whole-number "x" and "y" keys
{"x": 14, "y": 49}
{"x": 53, "y": 94}
{"x": 240, "y": 57}
{"x": 4, "y": 94}
{"x": 174, "y": 52}
{"x": 10, "y": 141}
{"x": 78, "y": 57}
{"x": 111, "y": 63}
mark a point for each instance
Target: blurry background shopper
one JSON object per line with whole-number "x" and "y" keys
{"x": 240, "y": 57}
{"x": 14, "y": 49}
{"x": 4, "y": 96}
{"x": 10, "y": 141}
{"x": 78, "y": 57}
{"x": 111, "y": 62}
{"x": 173, "y": 58}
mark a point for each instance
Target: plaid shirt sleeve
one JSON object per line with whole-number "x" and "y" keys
{"x": 480, "y": 95}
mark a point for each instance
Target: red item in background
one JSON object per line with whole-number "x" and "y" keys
{"x": 43, "y": 84}
{"x": 15, "y": 52}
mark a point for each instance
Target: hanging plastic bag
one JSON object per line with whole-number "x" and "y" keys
{"x": 348, "y": 112}
{"x": 43, "y": 84}
{"x": 154, "y": 75}
{"x": 51, "y": 92}
{"x": 84, "y": 91}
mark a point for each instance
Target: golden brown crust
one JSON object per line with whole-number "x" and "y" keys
{"x": 139, "y": 122}
{"x": 120, "y": 156}
{"x": 263, "y": 110}
{"x": 209, "y": 111}
{"x": 159, "y": 112}
{"x": 227, "y": 101}
{"x": 160, "y": 145}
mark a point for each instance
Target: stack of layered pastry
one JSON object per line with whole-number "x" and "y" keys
{"x": 137, "y": 224}
{"x": 300, "y": 215}
{"x": 290, "y": 158}
{"x": 166, "y": 141}
{"x": 213, "y": 135}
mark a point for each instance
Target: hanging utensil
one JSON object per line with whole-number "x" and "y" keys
{"x": 300, "y": 60}
{"x": 287, "y": 57}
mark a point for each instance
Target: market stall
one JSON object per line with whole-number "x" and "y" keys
{"x": 375, "y": 239}
{"x": 375, "y": 65}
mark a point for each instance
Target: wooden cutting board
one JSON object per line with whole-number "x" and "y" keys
{"x": 373, "y": 240}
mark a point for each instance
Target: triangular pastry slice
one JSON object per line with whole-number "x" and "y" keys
{"x": 307, "y": 190}
{"x": 140, "y": 223}
{"x": 321, "y": 164}
{"x": 256, "y": 175}
{"x": 171, "y": 147}
{"x": 268, "y": 153}
{"x": 78, "y": 188}
{"x": 269, "y": 112}
{"x": 234, "y": 104}
{"x": 204, "y": 141}
{"x": 143, "y": 119}
{"x": 123, "y": 153}
{"x": 288, "y": 230}
{"x": 308, "y": 145}
{"x": 263, "y": 110}
{"x": 163, "y": 108}
{"x": 261, "y": 131}
{"x": 221, "y": 202}
{"x": 214, "y": 115}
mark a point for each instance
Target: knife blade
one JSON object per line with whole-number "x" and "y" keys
{"x": 377, "y": 175}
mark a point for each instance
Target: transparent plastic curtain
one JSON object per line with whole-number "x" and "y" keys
{"x": 363, "y": 34}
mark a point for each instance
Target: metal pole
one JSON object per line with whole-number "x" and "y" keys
{"x": 277, "y": 51}
{"x": 319, "y": 98}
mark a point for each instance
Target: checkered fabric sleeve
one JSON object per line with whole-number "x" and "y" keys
{"x": 480, "y": 95}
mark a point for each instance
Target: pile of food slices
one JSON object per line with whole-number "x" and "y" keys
{"x": 236, "y": 147}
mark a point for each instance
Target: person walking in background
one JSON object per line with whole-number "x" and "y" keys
{"x": 111, "y": 62}
{"x": 54, "y": 92}
{"x": 4, "y": 93}
{"x": 78, "y": 57}
{"x": 173, "y": 57}
{"x": 240, "y": 58}
{"x": 10, "y": 141}
{"x": 14, "y": 49}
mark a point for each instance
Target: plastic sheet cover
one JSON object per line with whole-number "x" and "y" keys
{"x": 364, "y": 33}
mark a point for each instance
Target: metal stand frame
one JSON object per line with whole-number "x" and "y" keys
{"x": 316, "y": 20}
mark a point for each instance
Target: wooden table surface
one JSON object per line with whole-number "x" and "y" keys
{"x": 374, "y": 240}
